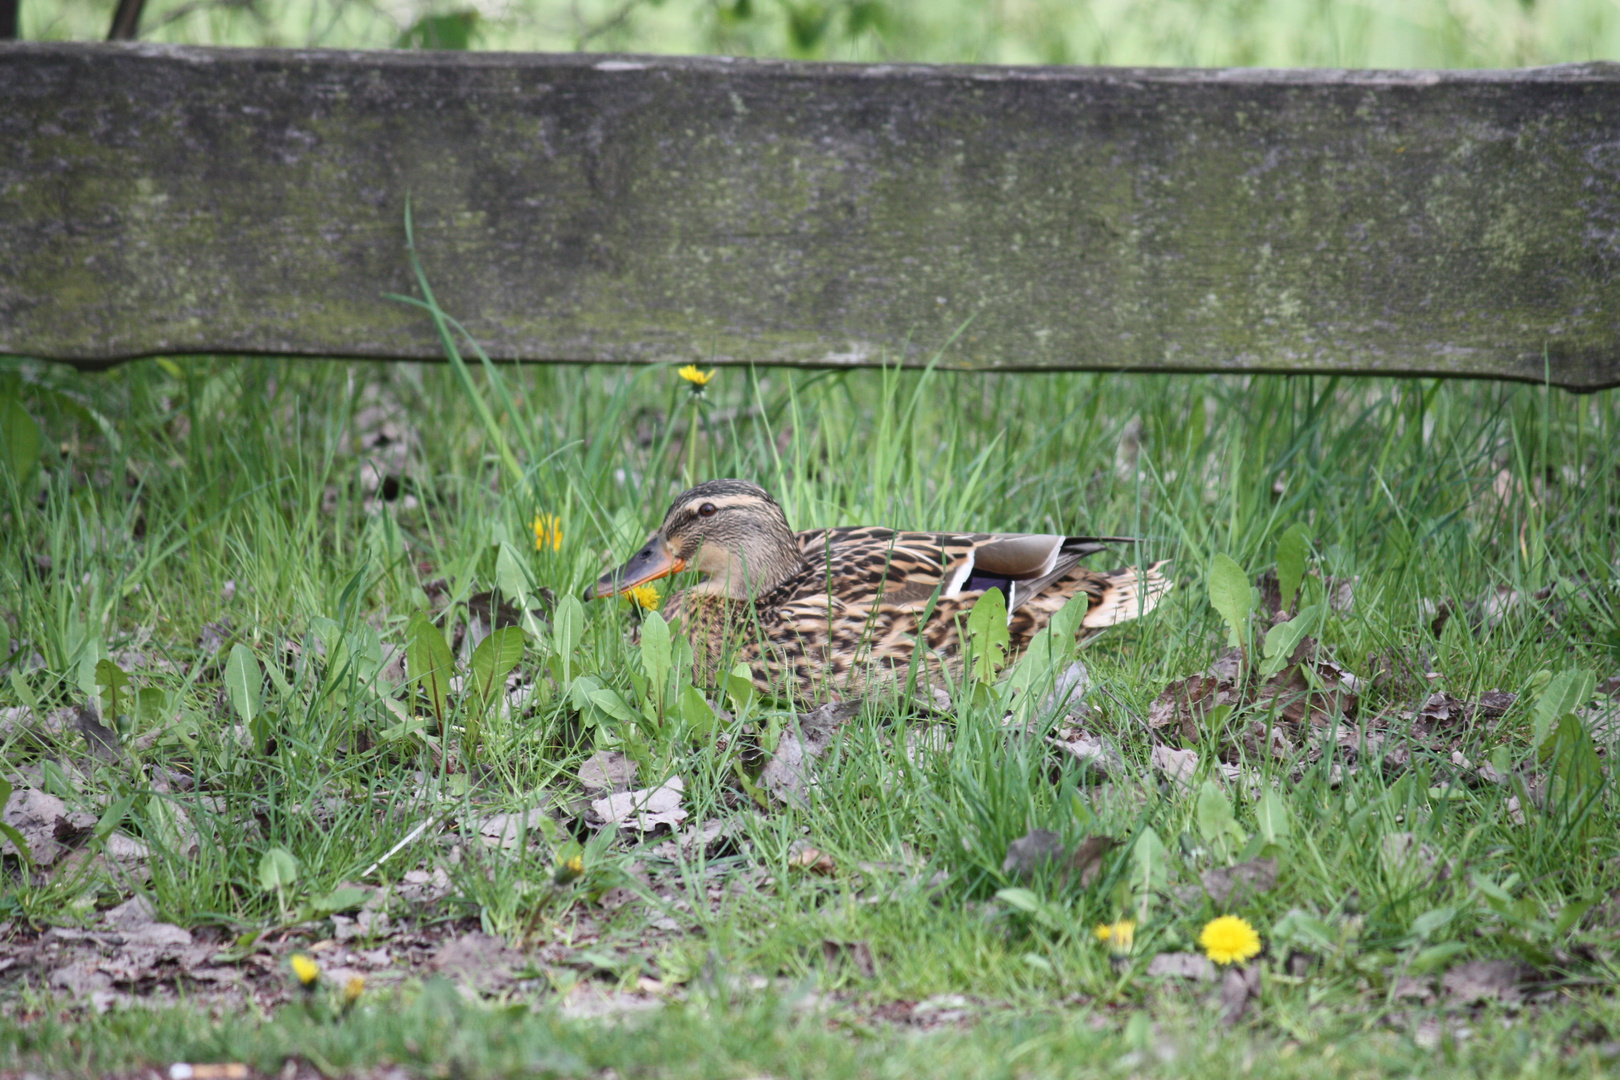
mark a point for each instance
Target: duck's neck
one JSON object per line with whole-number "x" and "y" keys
{"x": 747, "y": 574}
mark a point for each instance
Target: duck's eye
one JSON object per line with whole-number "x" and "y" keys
{"x": 706, "y": 510}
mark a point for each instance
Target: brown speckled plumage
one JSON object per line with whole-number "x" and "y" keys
{"x": 836, "y": 613}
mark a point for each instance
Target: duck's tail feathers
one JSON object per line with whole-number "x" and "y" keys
{"x": 1130, "y": 593}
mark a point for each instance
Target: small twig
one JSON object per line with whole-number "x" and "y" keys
{"x": 126, "y": 21}
{"x": 410, "y": 838}
{"x": 612, "y": 22}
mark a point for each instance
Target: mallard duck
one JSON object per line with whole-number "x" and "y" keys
{"x": 831, "y": 614}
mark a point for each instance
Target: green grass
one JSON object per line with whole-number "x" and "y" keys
{"x": 438, "y": 1034}
{"x": 246, "y": 471}
{"x": 183, "y": 507}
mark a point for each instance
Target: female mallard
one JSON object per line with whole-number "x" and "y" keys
{"x": 835, "y": 613}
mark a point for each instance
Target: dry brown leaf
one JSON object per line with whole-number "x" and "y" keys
{"x": 504, "y": 831}
{"x": 1240, "y": 882}
{"x": 858, "y": 954}
{"x": 814, "y": 861}
{"x": 47, "y": 826}
{"x": 1181, "y": 965}
{"x": 1180, "y": 767}
{"x": 644, "y": 810}
{"x": 1040, "y": 848}
{"x": 1486, "y": 980}
{"x": 607, "y": 770}
{"x": 1239, "y": 987}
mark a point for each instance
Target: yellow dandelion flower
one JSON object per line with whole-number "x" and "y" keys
{"x": 306, "y": 969}
{"x": 1119, "y": 936}
{"x": 547, "y": 532}
{"x": 645, "y": 597}
{"x": 698, "y": 379}
{"x": 569, "y": 869}
{"x": 1229, "y": 940}
{"x": 353, "y": 989}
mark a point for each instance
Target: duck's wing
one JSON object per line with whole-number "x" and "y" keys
{"x": 908, "y": 569}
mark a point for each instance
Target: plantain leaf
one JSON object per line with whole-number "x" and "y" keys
{"x": 1216, "y": 822}
{"x": 740, "y": 689}
{"x": 21, "y": 441}
{"x": 696, "y": 712}
{"x": 1284, "y": 638}
{"x": 987, "y": 626}
{"x": 278, "y": 870}
{"x": 112, "y": 680}
{"x": 1292, "y": 550}
{"x": 1564, "y": 693}
{"x": 1231, "y": 595}
{"x": 429, "y": 664}
{"x": 1271, "y": 814}
{"x": 244, "y": 683}
{"x": 492, "y": 662}
{"x": 655, "y": 654}
{"x": 567, "y": 630}
{"x": 611, "y": 703}
{"x": 1150, "y": 863}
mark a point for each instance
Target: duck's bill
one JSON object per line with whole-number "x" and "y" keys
{"x": 649, "y": 564}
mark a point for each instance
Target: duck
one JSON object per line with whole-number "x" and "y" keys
{"x": 830, "y": 615}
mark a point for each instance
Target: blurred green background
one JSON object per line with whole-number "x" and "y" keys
{"x": 1209, "y": 33}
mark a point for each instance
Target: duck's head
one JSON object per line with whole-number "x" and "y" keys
{"x": 730, "y": 530}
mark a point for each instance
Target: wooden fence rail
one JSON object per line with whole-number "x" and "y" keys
{"x": 163, "y": 200}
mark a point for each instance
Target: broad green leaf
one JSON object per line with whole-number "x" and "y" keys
{"x": 1231, "y": 595}
{"x": 1434, "y": 957}
{"x": 349, "y": 896}
{"x": 5, "y": 641}
{"x": 113, "y": 816}
{"x": 696, "y": 712}
{"x": 151, "y": 707}
{"x": 21, "y": 441}
{"x": 1292, "y": 550}
{"x": 1216, "y": 822}
{"x": 1301, "y": 928}
{"x": 987, "y": 626}
{"x": 1424, "y": 926}
{"x": 579, "y": 693}
{"x": 428, "y": 663}
{"x": 740, "y": 689}
{"x": 655, "y": 654}
{"x": 278, "y": 870}
{"x": 1284, "y": 638}
{"x": 492, "y": 662}
{"x": 1034, "y": 668}
{"x": 1020, "y": 899}
{"x": 1490, "y": 888}
{"x": 611, "y": 703}
{"x": 1150, "y": 863}
{"x": 112, "y": 680}
{"x": 1272, "y": 816}
{"x": 244, "y": 682}
{"x": 366, "y": 652}
{"x": 567, "y": 630}
{"x": 1565, "y": 692}
{"x": 1065, "y": 627}
{"x": 1577, "y": 772}
{"x": 511, "y": 575}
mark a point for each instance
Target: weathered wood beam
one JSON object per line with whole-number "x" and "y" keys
{"x": 586, "y": 207}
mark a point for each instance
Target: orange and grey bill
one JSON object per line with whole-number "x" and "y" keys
{"x": 649, "y": 564}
